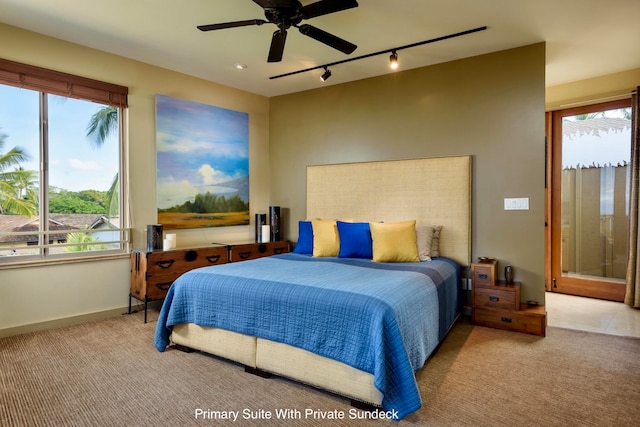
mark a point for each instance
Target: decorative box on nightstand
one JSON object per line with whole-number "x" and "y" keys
{"x": 484, "y": 273}
{"x": 497, "y": 305}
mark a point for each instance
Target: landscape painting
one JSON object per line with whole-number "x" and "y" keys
{"x": 202, "y": 165}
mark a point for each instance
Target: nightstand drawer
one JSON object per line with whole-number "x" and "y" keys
{"x": 168, "y": 263}
{"x": 484, "y": 273}
{"x": 257, "y": 250}
{"x": 152, "y": 273}
{"x": 497, "y": 297}
{"x": 530, "y": 321}
{"x": 157, "y": 289}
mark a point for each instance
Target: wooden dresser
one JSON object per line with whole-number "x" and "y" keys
{"x": 244, "y": 252}
{"x": 152, "y": 273}
{"x": 497, "y": 305}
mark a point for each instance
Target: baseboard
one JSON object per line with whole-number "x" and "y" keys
{"x": 67, "y": 321}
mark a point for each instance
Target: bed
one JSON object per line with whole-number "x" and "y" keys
{"x": 355, "y": 324}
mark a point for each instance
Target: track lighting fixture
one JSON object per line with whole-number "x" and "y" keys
{"x": 393, "y": 60}
{"x": 325, "y": 75}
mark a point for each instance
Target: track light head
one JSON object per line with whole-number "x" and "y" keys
{"x": 325, "y": 75}
{"x": 393, "y": 60}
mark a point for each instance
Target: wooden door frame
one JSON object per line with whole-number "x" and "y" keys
{"x": 547, "y": 198}
{"x": 595, "y": 288}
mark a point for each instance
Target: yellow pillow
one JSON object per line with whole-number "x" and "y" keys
{"x": 326, "y": 241}
{"x": 394, "y": 241}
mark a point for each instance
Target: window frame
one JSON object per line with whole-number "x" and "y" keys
{"x": 46, "y": 82}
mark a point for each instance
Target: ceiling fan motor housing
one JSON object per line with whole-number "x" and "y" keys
{"x": 289, "y": 13}
{"x": 284, "y": 13}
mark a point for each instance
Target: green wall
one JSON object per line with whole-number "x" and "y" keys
{"x": 490, "y": 107}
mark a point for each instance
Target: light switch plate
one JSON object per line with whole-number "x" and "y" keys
{"x": 516, "y": 204}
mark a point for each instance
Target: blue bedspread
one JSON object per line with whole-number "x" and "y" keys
{"x": 381, "y": 318}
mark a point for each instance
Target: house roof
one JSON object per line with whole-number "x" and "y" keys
{"x": 21, "y": 223}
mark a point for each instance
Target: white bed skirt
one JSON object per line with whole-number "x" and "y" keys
{"x": 280, "y": 359}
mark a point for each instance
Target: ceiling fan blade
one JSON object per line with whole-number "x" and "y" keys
{"x": 234, "y": 24}
{"x": 263, "y": 3}
{"x": 327, "y": 38}
{"x": 277, "y": 46}
{"x": 324, "y": 7}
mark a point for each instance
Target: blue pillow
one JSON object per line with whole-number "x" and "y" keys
{"x": 305, "y": 238}
{"x": 355, "y": 240}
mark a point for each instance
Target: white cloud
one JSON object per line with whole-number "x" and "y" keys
{"x": 172, "y": 192}
{"x": 210, "y": 176}
{"x": 169, "y": 143}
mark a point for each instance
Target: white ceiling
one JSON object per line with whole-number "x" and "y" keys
{"x": 585, "y": 38}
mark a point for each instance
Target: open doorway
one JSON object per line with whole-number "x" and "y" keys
{"x": 588, "y": 194}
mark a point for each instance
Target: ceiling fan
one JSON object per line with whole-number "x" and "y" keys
{"x": 289, "y": 13}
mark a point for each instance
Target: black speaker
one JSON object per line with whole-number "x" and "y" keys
{"x": 154, "y": 238}
{"x": 275, "y": 220}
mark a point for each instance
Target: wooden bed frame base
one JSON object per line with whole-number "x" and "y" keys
{"x": 260, "y": 355}
{"x": 264, "y": 374}
{"x": 258, "y": 372}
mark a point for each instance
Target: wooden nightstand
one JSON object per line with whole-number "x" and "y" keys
{"x": 497, "y": 305}
{"x": 153, "y": 273}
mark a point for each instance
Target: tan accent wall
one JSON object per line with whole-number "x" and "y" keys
{"x": 29, "y": 296}
{"x": 490, "y": 107}
{"x": 591, "y": 91}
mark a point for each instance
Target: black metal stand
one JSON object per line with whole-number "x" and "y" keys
{"x": 146, "y": 304}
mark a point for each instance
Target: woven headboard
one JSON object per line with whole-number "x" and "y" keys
{"x": 433, "y": 191}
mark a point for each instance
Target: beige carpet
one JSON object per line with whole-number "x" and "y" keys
{"x": 107, "y": 373}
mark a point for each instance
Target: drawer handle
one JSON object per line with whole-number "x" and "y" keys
{"x": 164, "y": 286}
{"x": 165, "y": 264}
{"x": 213, "y": 258}
{"x": 494, "y": 299}
{"x": 506, "y": 320}
{"x": 191, "y": 256}
{"x": 244, "y": 255}
{"x": 483, "y": 276}
{"x": 262, "y": 248}
{"x": 278, "y": 250}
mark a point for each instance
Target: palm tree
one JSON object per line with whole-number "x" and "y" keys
{"x": 589, "y": 116}
{"x": 16, "y": 184}
{"x": 84, "y": 241}
{"x": 100, "y": 126}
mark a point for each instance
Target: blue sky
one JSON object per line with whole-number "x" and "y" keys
{"x": 199, "y": 148}
{"x": 75, "y": 164}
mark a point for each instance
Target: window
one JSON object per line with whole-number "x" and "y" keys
{"x": 61, "y": 169}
